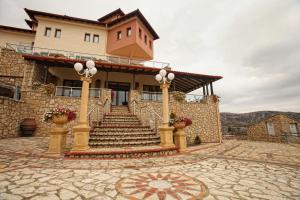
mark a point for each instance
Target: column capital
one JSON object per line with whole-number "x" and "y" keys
{"x": 164, "y": 85}
{"x": 87, "y": 79}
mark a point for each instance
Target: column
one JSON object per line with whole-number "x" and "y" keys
{"x": 166, "y": 132}
{"x": 82, "y": 130}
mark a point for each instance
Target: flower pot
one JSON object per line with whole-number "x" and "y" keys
{"x": 179, "y": 125}
{"x": 28, "y": 126}
{"x": 60, "y": 120}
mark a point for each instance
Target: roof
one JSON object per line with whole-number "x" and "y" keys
{"x": 10, "y": 28}
{"x": 137, "y": 13}
{"x": 184, "y": 81}
{"x": 30, "y": 23}
{"x": 33, "y": 13}
{"x": 111, "y": 14}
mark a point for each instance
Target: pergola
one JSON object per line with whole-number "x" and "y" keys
{"x": 185, "y": 81}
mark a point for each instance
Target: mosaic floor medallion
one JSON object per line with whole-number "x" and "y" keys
{"x": 161, "y": 186}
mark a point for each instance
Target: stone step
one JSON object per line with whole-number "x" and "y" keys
{"x": 123, "y": 123}
{"x": 114, "y": 133}
{"x": 124, "y": 126}
{"x": 123, "y": 144}
{"x": 123, "y": 139}
{"x": 118, "y": 153}
{"x": 121, "y": 129}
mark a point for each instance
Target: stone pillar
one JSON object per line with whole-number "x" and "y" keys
{"x": 82, "y": 130}
{"x": 57, "y": 140}
{"x": 180, "y": 140}
{"x": 166, "y": 132}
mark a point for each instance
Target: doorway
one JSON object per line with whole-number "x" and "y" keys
{"x": 119, "y": 93}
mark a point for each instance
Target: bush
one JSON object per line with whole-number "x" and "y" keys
{"x": 197, "y": 140}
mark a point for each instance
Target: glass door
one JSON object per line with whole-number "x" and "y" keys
{"x": 119, "y": 93}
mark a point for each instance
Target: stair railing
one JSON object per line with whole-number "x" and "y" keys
{"x": 99, "y": 114}
{"x": 153, "y": 115}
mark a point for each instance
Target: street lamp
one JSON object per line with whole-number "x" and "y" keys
{"x": 82, "y": 129}
{"x": 166, "y": 132}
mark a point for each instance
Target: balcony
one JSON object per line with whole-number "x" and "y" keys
{"x": 37, "y": 51}
{"x": 157, "y": 96}
{"x": 76, "y": 92}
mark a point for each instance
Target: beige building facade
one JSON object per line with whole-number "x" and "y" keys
{"x": 41, "y": 76}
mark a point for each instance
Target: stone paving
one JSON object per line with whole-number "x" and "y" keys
{"x": 232, "y": 170}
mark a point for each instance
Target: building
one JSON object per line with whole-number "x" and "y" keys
{"x": 275, "y": 128}
{"x": 36, "y": 73}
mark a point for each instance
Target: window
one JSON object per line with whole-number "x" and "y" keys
{"x": 151, "y": 93}
{"x": 128, "y": 31}
{"x": 145, "y": 39}
{"x": 96, "y": 39}
{"x": 87, "y": 37}
{"x": 150, "y": 44}
{"x": 270, "y": 128}
{"x": 47, "y": 32}
{"x": 140, "y": 33}
{"x": 119, "y": 35}
{"x": 57, "y": 33}
{"x": 13, "y": 92}
{"x": 294, "y": 128}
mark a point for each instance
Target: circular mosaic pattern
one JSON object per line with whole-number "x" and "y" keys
{"x": 161, "y": 186}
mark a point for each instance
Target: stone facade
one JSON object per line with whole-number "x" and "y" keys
{"x": 204, "y": 114}
{"x": 282, "y": 132}
{"x": 35, "y": 101}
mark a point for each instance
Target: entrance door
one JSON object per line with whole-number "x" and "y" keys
{"x": 119, "y": 93}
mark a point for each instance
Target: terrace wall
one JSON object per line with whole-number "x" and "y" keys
{"x": 205, "y": 116}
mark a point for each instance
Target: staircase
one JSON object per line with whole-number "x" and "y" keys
{"x": 122, "y": 135}
{"x": 120, "y": 128}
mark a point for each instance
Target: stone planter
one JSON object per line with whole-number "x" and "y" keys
{"x": 58, "y": 135}
{"x": 60, "y": 120}
{"x": 27, "y": 127}
{"x": 180, "y": 137}
{"x": 179, "y": 125}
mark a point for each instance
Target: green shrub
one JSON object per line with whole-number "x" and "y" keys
{"x": 197, "y": 140}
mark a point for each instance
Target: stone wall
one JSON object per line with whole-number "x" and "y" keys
{"x": 35, "y": 101}
{"x": 258, "y": 131}
{"x": 205, "y": 116}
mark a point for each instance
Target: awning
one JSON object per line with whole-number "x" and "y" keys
{"x": 184, "y": 81}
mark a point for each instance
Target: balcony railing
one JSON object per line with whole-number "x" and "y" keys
{"x": 23, "y": 49}
{"x": 151, "y": 96}
{"x": 193, "y": 98}
{"x": 76, "y": 91}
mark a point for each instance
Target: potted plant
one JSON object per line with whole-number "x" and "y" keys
{"x": 179, "y": 122}
{"x": 59, "y": 116}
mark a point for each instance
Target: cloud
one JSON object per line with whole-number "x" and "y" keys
{"x": 254, "y": 45}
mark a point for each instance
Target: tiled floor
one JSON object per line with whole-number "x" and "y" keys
{"x": 232, "y": 170}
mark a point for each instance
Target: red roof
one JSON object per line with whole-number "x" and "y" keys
{"x": 111, "y": 14}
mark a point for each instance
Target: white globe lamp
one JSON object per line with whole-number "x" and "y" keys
{"x": 90, "y": 64}
{"x": 78, "y": 67}
{"x": 171, "y": 76}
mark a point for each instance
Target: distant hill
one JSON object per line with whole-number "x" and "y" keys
{"x": 235, "y": 123}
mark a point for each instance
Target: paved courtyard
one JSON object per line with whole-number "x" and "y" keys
{"x": 232, "y": 170}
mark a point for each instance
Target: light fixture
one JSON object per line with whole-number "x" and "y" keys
{"x": 163, "y": 78}
{"x": 89, "y": 71}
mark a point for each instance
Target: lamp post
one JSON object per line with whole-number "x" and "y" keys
{"x": 166, "y": 132}
{"x": 82, "y": 129}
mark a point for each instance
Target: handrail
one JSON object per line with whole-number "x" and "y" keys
{"x": 104, "y": 111}
{"x": 84, "y": 56}
{"x": 155, "y": 114}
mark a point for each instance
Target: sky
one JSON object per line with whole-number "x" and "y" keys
{"x": 253, "y": 44}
